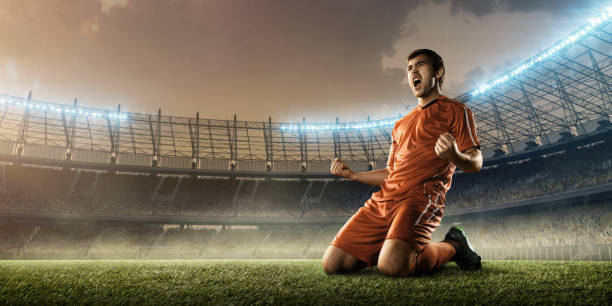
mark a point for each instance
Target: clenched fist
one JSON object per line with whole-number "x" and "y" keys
{"x": 446, "y": 147}
{"x": 341, "y": 169}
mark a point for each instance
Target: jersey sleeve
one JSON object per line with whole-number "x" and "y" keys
{"x": 392, "y": 150}
{"x": 463, "y": 129}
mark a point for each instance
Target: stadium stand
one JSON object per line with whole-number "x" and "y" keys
{"x": 565, "y": 171}
{"x": 575, "y": 231}
{"x": 35, "y": 189}
{"x": 82, "y": 182}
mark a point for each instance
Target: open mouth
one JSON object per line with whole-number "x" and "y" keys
{"x": 416, "y": 82}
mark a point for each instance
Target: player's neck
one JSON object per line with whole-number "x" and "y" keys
{"x": 430, "y": 97}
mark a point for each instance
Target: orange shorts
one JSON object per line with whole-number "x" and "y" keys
{"x": 412, "y": 219}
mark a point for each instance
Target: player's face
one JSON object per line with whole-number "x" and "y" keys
{"x": 421, "y": 76}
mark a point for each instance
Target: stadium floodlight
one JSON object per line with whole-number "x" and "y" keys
{"x": 58, "y": 108}
{"x": 338, "y": 126}
{"x": 595, "y": 22}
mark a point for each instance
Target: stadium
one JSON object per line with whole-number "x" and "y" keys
{"x": 219, "y": 197}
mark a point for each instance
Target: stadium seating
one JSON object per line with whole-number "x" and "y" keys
{"x": 36, "y": 189}
{"x": 545, "y": 175}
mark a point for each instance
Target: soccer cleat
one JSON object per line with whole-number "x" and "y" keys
{"x": 465, "y": 257}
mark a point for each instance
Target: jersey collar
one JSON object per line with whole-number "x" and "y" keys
{"x": 441, "y": 97}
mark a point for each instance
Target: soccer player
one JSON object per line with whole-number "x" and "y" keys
{"x": 393, "y": 229}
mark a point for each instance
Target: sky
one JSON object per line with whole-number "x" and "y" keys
{"x": 288, "y": 59}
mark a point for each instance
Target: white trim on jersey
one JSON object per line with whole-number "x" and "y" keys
{"x": 433, "y": 213}
{"x": 427, "y": 207}
{"x": 467, "y": 121}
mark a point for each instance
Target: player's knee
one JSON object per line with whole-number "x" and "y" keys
{"x": 389, "y": 270}
{"x": 330, "y": 265}
{"x": 331, "y": 262}
{"x": 394, "y": 268}
{"x": 397, "y": 258}
{"x": 330, "y": 268}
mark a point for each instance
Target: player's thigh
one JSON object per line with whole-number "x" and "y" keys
{"x": 336, "y": 260}
{"x": 407, "y": 236}
{"x": 364, "y": 233}
{"x": 397, "y": 257}
{"x": 415, "y": 221}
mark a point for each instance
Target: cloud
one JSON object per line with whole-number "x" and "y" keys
{"x": 254, "y": 58}
{"x": 107, "y": 5}
{"x": 90, "y": 27}
{"x": 469, "y": 80}
{"x": 479, "y": 75}
{"x": 284, "y": 58}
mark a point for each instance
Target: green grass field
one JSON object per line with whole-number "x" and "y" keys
{"x": 297, "y": 282}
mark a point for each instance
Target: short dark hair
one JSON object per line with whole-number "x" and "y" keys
{"x": 436, "y": 61}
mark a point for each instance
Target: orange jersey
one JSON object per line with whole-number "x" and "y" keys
{"x": 414, "y": 167}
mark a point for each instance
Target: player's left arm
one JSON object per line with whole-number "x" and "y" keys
{"x": 460, "y": 144}
{"x": 469, "y": 161}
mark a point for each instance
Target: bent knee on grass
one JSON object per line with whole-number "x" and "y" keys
{"x": 336, "y": 261}
{"x": 397, "y": 258}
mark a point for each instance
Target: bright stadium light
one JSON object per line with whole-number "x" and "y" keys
{"x": 53, "y": 107}
{"x": 575, "y": 36}
{"x": 345, "y": 126}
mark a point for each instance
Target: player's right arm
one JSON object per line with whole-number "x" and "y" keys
{"x": 374, "y": 177}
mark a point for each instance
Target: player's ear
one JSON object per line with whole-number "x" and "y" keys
{"x": 440, "y": 73}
